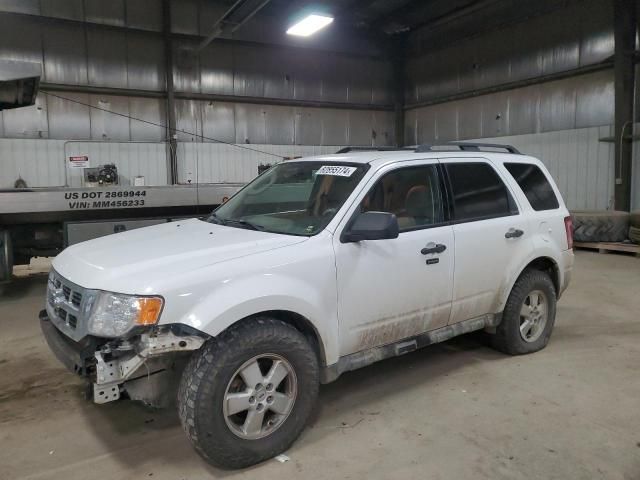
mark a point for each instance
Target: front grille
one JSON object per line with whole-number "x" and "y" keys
{"x": 66, "y": 303}
{"x": 76, "y": 298}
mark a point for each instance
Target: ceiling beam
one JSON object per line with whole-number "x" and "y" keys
{"x": 235, "y": 17}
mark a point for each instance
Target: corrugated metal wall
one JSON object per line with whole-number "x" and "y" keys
{"x": 45, "y": 162}
{"x": 88, "y": 51}
{"x": 53, "y": 117}
{"x": 578, "y": 102}
{"x": 85, "y": 50}
{"x": 211, "y": 162}
{"x": 190, "y": 17}
{"x": 56, "y": 118}
{"x": 579, "y": 35}
{"x": 40, "y": 163}
{"x": 279, "y": 125}
{"x": 560, "y": 121}
{"x": 579, "y": 162}
{"x": 96, "y": 55}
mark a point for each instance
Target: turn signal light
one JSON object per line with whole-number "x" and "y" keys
{"x": 149, "y": 310}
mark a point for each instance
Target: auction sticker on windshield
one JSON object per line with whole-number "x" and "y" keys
{"x": 336, "y": 170}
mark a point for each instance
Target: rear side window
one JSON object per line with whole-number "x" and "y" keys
{"x": 534, "y": 184}
{"x": 478, "y": 192}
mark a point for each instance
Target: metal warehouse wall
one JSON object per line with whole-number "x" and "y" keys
{"x": 580, "y": 163}
{"x": 543, "y": 85}
{"x": 53, "y": 117}
{"x": 635, "y": 171}
{"x": 578, "y": 102}
{"x": 564, "y": 40}
{"x": 111, "y": 55}
{"x": 42, "y": 162}
{"x": 93, "y": 54}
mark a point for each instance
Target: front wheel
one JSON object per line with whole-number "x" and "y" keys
{"x": 246, "y": 395}
{"x": 529, "y": 315}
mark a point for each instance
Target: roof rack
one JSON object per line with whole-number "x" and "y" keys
{"x": 466, "y": 147}
{"x": 373, "y": 149}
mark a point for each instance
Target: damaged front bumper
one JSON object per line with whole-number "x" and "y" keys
{"x": 140, "y": 366}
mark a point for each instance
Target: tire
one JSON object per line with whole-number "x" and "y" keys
{"x": 212, "y": 373}
{"x": 634, "y": 234}
{"x": 634, "y": 219}
{"x": 508, "y": 337}
{"x": 600, "y": 226}
{"x": 6, "y": 257}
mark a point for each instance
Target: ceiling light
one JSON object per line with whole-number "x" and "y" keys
{"x": 309, "y": 25}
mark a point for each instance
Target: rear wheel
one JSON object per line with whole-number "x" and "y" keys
{"x": 528, "y": 316}
{"x": 246, "y": 395}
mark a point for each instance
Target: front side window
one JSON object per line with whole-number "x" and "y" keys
{"x": 295, "y": 198}
{"x": 534, "y": 184}
{"x": 412, "y": 193}
{"x": 478, "y": 192}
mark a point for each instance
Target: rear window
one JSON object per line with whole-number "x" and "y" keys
{"x": 534, "y": 184}
{"x": 478, "y": 192}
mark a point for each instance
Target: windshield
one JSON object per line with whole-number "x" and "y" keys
{"x": 295, "y": 198}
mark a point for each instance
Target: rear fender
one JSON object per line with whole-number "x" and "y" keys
{"x": 511, "y": 277}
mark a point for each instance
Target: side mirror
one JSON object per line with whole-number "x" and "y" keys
{"x": 372, "y": 226}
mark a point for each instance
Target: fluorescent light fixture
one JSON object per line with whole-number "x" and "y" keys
{"x": 309, "y": 25}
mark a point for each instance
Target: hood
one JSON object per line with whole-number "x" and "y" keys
{"x": 128, "y": 261}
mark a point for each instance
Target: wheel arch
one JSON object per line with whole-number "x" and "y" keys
{"x": 299, "y": 322}
{"x": 542, "y": 263}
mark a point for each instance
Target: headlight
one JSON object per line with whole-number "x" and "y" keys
{"x": 114, "y": 314}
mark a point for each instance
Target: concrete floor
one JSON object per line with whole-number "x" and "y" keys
{"x": 456, "y": 410}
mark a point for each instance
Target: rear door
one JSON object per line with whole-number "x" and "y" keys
{"x": 491, "y": 236}
{"x": 546, "y": 214}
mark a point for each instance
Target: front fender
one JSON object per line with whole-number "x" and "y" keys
{"x": 237, "y": 299}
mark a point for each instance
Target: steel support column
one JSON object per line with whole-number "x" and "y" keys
{"x": 398, "y": 64}
{"x": 171, "y": 108}
{"x": 624, "y": 21}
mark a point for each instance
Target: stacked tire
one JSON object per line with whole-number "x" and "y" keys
{"x": 601, "y": 226}
{"x": 634, "y": 228}
{"x": 6, "y": 259}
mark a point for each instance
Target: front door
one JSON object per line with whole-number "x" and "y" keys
{"x": 393, "y": 289}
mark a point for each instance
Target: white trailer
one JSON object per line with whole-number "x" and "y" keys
{"x": 43, "y": 221}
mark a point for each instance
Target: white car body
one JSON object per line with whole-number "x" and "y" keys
{"x": 357, "y": 296}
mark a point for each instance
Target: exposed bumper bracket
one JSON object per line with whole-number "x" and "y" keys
{"x": 146, "y": 358}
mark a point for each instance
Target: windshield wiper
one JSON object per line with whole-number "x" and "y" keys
{"x": 243, "y": 223}
{"x": 226, "y": 221}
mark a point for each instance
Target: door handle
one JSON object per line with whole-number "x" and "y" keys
{"x": 433, "y": 248}
{"x": 514, "y": 233}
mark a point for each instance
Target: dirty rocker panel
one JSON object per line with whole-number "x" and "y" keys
{"x": 363, "y": 358}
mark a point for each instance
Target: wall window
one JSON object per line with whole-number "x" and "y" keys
{"x": 478, "y": 192}
{"x": 534, "y": 184}
{"x": 412, "y": 193}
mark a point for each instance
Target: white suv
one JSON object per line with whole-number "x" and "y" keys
{"x": 319, "y": 266}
